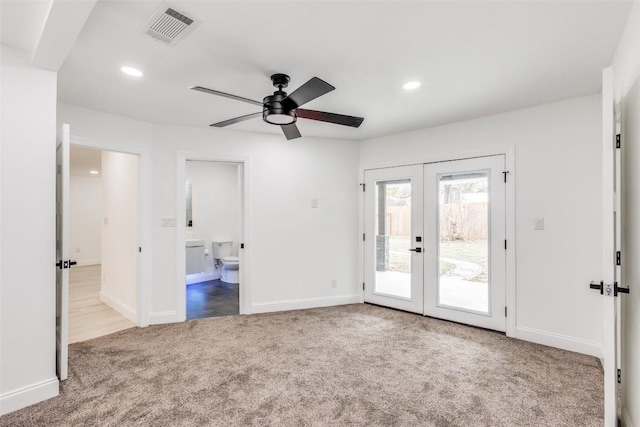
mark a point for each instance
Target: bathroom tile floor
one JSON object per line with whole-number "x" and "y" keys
{"x": 211, "y": 299}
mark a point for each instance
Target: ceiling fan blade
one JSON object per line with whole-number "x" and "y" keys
{"x": 226, "y": 95}
{"x": 307, "y": 92}
{"x": 339, "y": 119}
{"x": 291, "y": 131}
{"x": 237, "y": 120}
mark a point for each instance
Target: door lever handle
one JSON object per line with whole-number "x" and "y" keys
{"x": 416, "y": 250}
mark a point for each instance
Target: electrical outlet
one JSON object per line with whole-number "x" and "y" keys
{"x": 539, "y": 224}
{"x": 106, "y": 220}
{"x": 77, "y": 250}
{"x": 168, "y": 222}
{"x": 334, "y": 283}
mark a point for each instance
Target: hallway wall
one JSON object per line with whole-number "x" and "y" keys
{"x": 85, "y": 209}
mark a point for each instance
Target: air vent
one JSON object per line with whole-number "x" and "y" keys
{"x": 168, "y": 25}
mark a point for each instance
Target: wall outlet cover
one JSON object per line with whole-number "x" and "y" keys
{"x": 168, "y": 222}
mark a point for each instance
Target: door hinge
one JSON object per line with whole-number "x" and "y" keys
{"x": 363, "y": 286}
{"x": 618, "y": 141}
{"x": 505, "y": 311}
{"x": 619, "y": 376}
{"x": 618, "y": 258}
{"x": 505, "y": 175}
{"x": 363, "y": 185}
{"x": 241, "y": 245}
{"x": 364, "y": 237}
{"x": 139, "y": 249}
{"x": 505, "y": 244}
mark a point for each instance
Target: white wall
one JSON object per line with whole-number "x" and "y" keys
{"x": 216, "y": 208}
{"x": 558, "y": 177}
{"x": 27, "y": 226}
{"x": 120, "y": 233}
{"x": 294, "y": 252}
{"x": 626, "y": 71}
{"x": 85, "y": 218}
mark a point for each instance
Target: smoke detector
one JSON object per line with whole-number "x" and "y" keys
{"x": 169, "y": 25}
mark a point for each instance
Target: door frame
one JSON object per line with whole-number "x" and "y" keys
{"x": 144, "y": 212}
{"x": 244, "y": 290}
{"x": 510, "y": 217}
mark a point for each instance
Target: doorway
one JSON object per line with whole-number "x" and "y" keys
{"x": 104, "y": 241}
{"x": 213, "y": 238}
{"x": 437, "y": 243}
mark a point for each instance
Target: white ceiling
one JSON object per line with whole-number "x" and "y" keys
{"x": 474, "y": 58}
{"x": 22, "y": 22}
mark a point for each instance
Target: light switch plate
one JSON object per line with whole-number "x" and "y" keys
{"x": 539, "y": 224}
{"x": 168, "y": 222}
{"x": 314, "y": 203}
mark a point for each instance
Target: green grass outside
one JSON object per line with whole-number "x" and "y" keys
{"x": 474, "y": 251}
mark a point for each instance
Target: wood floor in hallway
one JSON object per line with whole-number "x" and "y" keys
{"x": 88, "y": 316}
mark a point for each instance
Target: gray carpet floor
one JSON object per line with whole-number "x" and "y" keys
{"x": 348, "y": 365}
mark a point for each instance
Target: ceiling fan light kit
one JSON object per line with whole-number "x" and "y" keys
{"x": 283, "y": 110}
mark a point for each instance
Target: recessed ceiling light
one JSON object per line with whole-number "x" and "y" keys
{"x": 132, "y": 71}
{"x": 94, "y": 172}
{"x": 411, "y": 85}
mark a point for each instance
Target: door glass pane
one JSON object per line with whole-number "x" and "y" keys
{"x": 463, "y": 262}
{"x": 393, "y": 238}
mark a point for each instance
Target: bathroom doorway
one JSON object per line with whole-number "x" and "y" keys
{"x": 213, "y": 238}
{"x": 104, "y": 242}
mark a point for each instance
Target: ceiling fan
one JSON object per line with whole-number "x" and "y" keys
{"x": 282, "y": 110}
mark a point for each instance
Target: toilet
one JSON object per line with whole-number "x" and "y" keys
{"x": 222, "y": 254}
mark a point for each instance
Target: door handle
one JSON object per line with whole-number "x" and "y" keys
{"x": 72, "y": 263}
{"x": 598, "y": 286}
{"x": 416, "y": 250}
{"x": 616, "y": 289}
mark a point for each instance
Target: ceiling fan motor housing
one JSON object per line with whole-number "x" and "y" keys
{"x": 274, "y": 112}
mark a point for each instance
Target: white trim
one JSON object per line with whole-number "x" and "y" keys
{"x": 142, "y": 317}
{"x": 202, "y": 277}
{"x": 244, "y": 289}
{"x": 161, "y": 317}
{"x": 626, "y": 418}
{"x": 301, "y": 304}
{"x": 510, "y": 217}
{"x": 29, "y": 395}
{"x": 118, "y": 306}
{"x": 88, "y": 262}
{"x": 563, "y": 342}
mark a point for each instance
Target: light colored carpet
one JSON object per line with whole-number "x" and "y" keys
{"x": 348, "y": 365}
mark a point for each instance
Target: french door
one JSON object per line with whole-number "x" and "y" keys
{"x": 435, "y": 240}
{"x": 393, "y": 237}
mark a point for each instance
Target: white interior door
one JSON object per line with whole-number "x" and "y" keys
{"x": 465, "y": 246}
{"x": 610, "y": 245}
{"x": 393, "y": 237}
{"x": 62, "y": 251}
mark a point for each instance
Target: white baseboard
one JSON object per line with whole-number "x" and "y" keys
{"x": 626, "y": 418}
{"x": 119, "y": 307}
{"x": 563, "y": 342}
{"x": 300, "y": 304}
{"x": 88, "y": 262}
{"x": 29, "y": 395}
{"x": 161, "y": 317}
{"x": 202, "y": 277}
